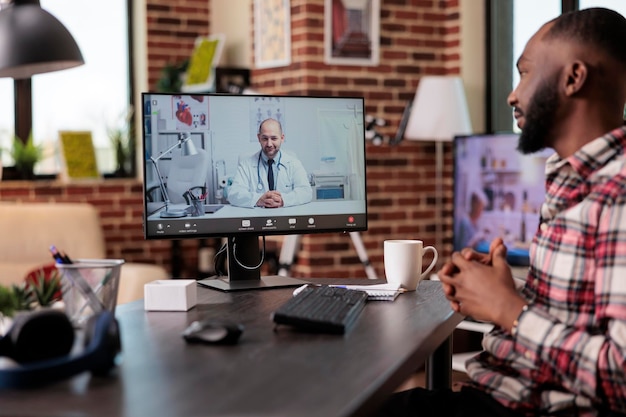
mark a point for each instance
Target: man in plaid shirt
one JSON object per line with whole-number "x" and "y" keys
{"x": 558, "y": 347}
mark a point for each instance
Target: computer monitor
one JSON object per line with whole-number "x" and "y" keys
{"x": 204, "y": 172}
{"x": 497, "y": 192}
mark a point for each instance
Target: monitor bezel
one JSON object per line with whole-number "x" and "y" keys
{"x": 242, "y": 277}
{"x": 361, "y": 218}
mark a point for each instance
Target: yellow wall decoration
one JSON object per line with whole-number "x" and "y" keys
{"x": 79, "y": 155}
{"x": 200, "y": 75}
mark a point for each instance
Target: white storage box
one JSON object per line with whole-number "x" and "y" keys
{"x": 170, "y": 295}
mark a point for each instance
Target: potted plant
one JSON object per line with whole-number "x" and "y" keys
{"x": 123, "y": 143}
{"x": 25, "y": 156}
{"x": 41, "y": 289}
{"x": 172, "y": 75}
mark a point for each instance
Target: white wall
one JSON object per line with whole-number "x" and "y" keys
{"x": 473, "y": 38}
{"x": 140, "y": 51}
{"x": 233, "y": 19}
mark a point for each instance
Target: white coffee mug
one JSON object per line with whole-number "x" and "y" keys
{"x": 403, "y": 262}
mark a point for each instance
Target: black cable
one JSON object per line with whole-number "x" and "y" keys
{"x": 217, "y": 260}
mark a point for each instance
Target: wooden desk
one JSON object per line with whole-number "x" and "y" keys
{"x": 268, "y": 373}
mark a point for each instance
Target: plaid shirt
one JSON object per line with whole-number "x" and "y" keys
{"x": 569, "y": 352}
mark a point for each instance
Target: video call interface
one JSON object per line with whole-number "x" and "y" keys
{"x": 498, "y": 192}
{"x": 211, "y": 187}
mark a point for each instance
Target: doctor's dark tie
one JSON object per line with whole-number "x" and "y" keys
{"x": 270, "y": 174}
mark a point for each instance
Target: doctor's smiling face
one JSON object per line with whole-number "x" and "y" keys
{"x": 271, "y": 137}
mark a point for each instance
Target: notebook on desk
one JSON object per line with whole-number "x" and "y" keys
{"x": 377, "y": 292}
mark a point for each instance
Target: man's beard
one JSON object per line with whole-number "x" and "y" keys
{"x": 539, "y": 119}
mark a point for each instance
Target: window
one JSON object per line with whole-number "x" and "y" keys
{"x": 617, "y": 5}
{"x": 528, "y": 17}
{"x": 7, "y": 116}
{"x": 511, "y": 24}
{"x": 93, "y": 97}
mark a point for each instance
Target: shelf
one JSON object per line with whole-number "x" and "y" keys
{"x": 501, "y": 171}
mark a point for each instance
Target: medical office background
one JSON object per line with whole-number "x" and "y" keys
{"x": 325, "y": 135}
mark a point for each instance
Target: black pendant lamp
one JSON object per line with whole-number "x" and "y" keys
{"x": 32, "y": 41}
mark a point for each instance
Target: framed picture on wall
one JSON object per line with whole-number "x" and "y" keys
{"x": 272, "y": 33}
{"x": 206, "y": 55}
{"x": 78, "y": 155}
{"x": 351, "y": 32}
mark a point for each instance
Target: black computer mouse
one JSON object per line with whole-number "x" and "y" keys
{"x": 213, "y": 332}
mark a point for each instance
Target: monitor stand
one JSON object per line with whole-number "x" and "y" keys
{"x": 244, "y": 269}
{"x": 264, "y": 283}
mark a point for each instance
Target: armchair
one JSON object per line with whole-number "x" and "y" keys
{"x": 28, "y": 230}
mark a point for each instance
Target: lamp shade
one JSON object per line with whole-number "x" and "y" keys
{"x": 32, "y": 41}
{"x": 439, "y": 110}
{"x": 188, "y": 147}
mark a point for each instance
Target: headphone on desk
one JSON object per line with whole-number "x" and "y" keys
{"x": 41, "y": 342}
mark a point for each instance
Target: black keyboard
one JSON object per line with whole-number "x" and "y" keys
{"x": 322, "y": 309}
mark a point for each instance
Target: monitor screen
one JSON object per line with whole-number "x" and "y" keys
{"x": 498, "y": 192}
{"x": 243, "y": 166}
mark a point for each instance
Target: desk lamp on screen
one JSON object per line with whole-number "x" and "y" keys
{"x": 438, "y": 113}
{"x": 187, "y": 148}
{"x": 319, "y": 173}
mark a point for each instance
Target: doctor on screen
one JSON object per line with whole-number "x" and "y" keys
{"x": 468, "y": 233}
{"x": 270, "y": 178}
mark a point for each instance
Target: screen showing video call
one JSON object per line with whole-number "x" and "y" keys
{"x": 498, "y": 192}
{"x": 222, "y": 165}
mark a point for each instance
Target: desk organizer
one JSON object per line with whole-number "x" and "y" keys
{"x": 89, "y": 286}
{"x": 170, "y": 295}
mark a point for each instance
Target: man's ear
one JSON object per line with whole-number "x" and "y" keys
{"x": 576, "y": 76}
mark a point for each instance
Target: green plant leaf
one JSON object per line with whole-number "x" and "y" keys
{"x": 122, "y": 137}
{"x": 26, "y": 154}
{"x": 14, "y": 298}
{"x": 8, "y": 302}
{"x": 45, "y": 291}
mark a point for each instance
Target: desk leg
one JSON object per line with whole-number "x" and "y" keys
{"x": 439, "y": 367}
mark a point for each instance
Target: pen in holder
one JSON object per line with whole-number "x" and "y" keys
{"x": 196, "y": 203}
{"x": 89, "y": 286}
{"x": 197, "y": 208}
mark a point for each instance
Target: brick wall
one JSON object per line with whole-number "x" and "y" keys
{"x": 173, "y": 26}
{"x": 417, "y": 37}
